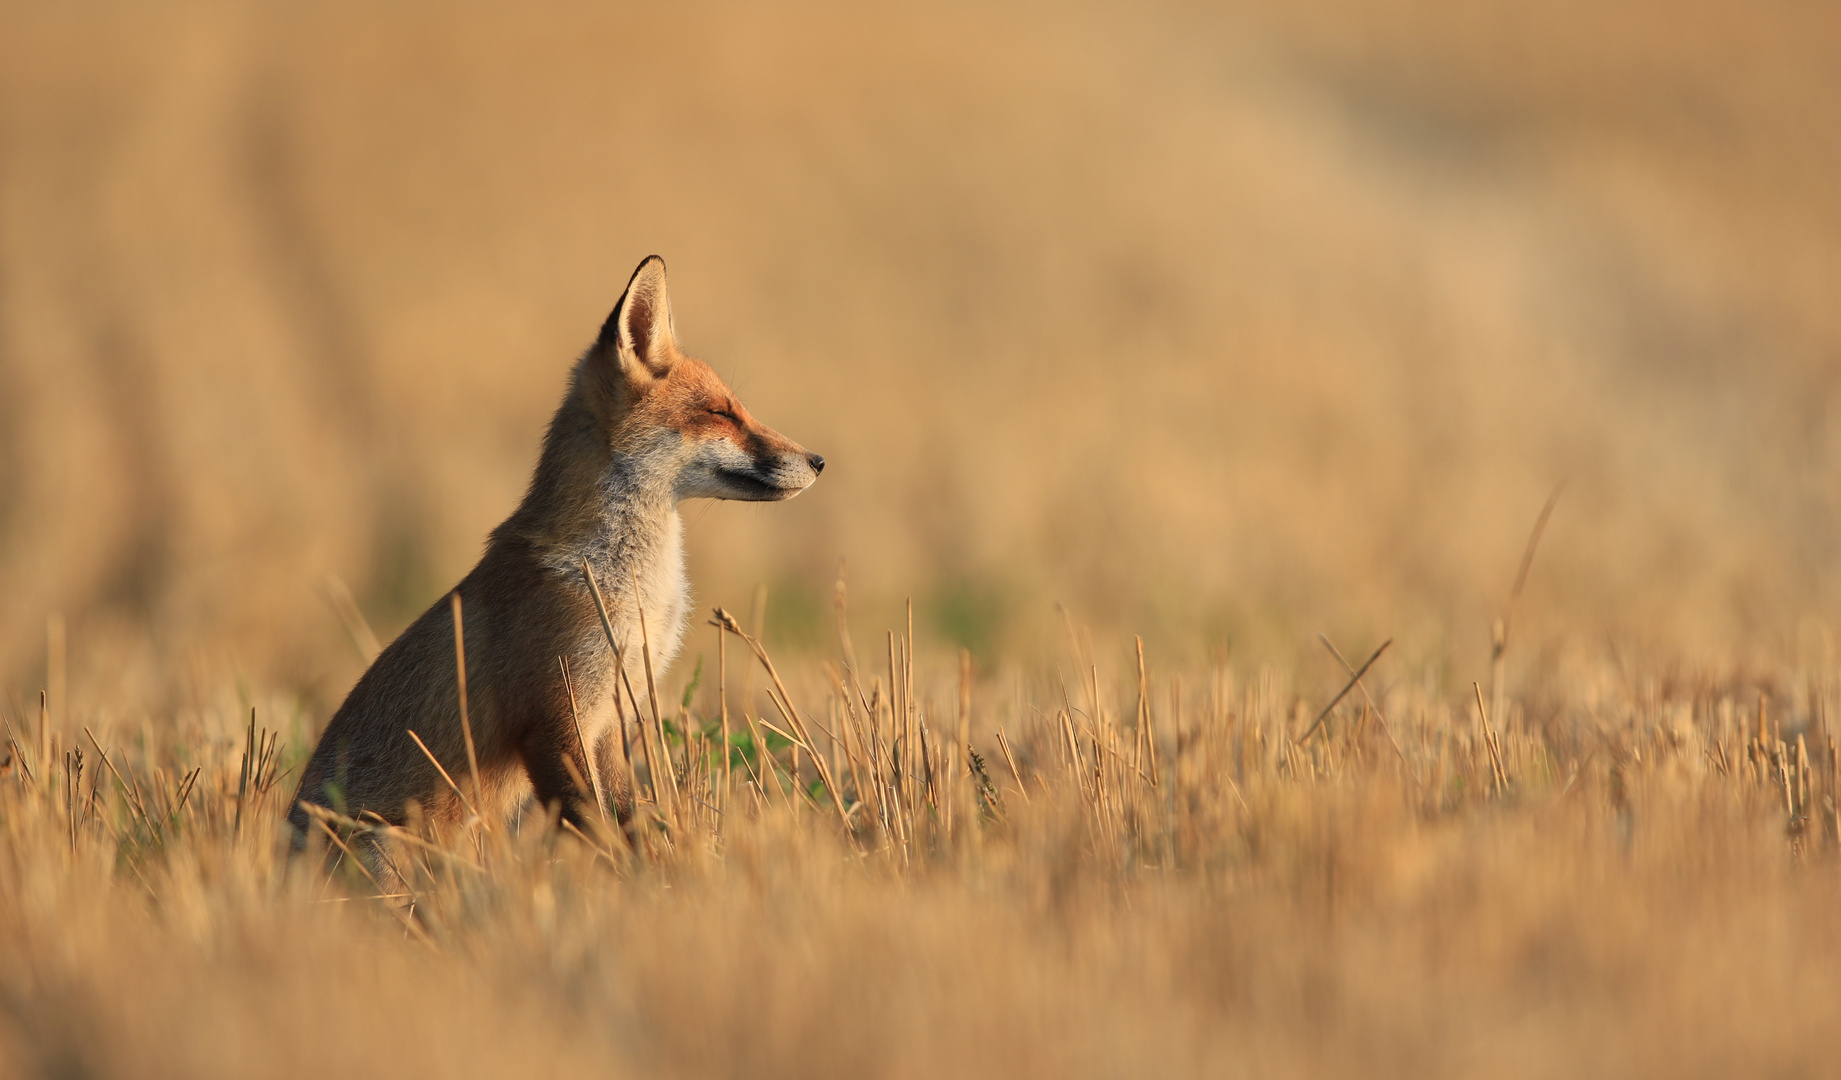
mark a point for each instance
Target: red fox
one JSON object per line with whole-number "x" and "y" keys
{"x": 642, "y": 428}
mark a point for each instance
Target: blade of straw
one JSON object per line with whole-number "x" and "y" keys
{"x": 466, "y": 727}
{"x": 1308, "y": 732}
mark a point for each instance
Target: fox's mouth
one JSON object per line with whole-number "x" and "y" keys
{"x": 749, "y": 486}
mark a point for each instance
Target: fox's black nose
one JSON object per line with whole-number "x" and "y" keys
{"x": 817, "y": 463}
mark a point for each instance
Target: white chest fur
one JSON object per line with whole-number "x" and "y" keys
{"x": 665, "y": 592}
{"x": 642, "y": 574}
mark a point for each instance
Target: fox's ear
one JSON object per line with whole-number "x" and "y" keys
{"x": 638, "y": 335}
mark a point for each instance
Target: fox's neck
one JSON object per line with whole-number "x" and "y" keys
{"x": 617, "y": 512}
{"x": 632, "y": 528}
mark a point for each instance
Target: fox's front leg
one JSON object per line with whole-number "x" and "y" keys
{"x": 616, "y": 775}
{"x": 559, "y": 766}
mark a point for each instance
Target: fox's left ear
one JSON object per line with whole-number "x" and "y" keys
{"x": 639, "y": 334}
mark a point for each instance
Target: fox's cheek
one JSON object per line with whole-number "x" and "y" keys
{"x": 723, "y": 450}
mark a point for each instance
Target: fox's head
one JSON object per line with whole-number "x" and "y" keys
{"x": 670, "y": 413}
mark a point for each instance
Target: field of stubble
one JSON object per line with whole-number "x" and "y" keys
{"x": 1169, "y": 361}
{"x": 1099, "y": 875}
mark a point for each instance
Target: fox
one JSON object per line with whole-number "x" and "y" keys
{"x": 642, "y": 428}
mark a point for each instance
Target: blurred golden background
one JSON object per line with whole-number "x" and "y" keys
{"x": 1222, "y": 323}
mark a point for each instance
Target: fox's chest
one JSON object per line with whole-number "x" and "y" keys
{"x": 649, "y": 582}
{"x": 666, "y": 593}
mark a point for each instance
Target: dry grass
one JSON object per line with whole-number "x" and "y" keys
{"x": 1222, "y": 324}
{"x": 1133, "y": 877}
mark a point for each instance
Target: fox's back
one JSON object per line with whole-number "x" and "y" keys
{"x": 366, "y": 753}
